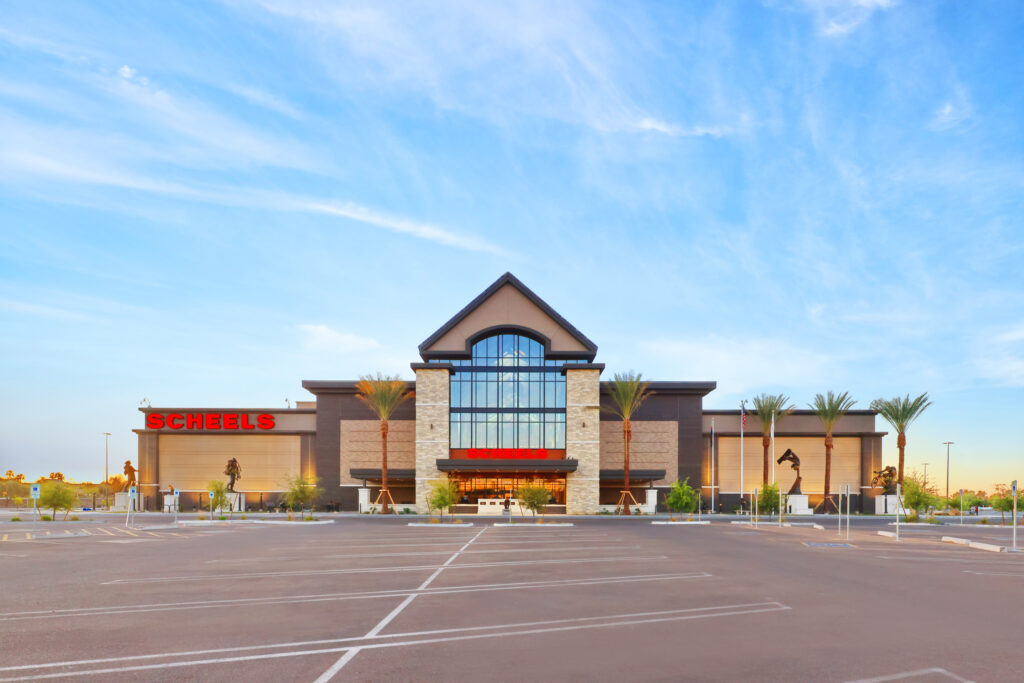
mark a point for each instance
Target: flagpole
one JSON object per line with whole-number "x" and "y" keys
{"x": 743, "y": 420}
{"x": 712, "y": 465}
{"x": 773, "y": 449}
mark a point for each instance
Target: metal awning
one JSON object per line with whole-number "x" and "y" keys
{"x": 488, "y": 465}
{"x": 634, "y": 475}
{"x": 374, "y": 473}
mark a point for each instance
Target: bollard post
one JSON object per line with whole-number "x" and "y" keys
{"x": 848, "y": 510}
{"x": 961, "y": 507}
{"x": 1014, "y": 493}
{"x": 899, "y": 504}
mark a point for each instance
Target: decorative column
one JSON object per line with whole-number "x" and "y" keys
{"x": 583, "y": 436}
{"x": 432, "y": 402}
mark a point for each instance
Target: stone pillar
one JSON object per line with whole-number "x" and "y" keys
{"x": 583, "y": 436}
{"x": 432, "y": 402}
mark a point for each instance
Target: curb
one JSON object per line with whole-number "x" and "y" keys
{"x": 428, "y": 524}
{"x": 987, "y": 546}
{"x": 683, "y": 523}
{"x": 533, "y": 525}
{"x": 954, "y": 539}
{"x": 889, "y": 534}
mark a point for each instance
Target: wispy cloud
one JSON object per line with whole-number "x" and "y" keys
{"x": 324, "y": 338}
{"x": 842, "y": 17}
{"x": 953, "y": 111}
{"x": 26, "y": 308}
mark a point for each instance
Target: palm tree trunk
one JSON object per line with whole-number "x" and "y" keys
{"x": 766, "y": 441}
{"x": 901, "y": 443}
{"x": 627, "y": 434}
{"x": 384, "y": 466}
{"x": 828, "y": 471}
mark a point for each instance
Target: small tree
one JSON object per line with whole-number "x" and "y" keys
{"x": 681, "y": 498}
{"x": 58, "y": 496}
{"x": 916, "y": 495}
{"x": 220, "y": 496}
{"x": 534, "y": 497}
{"x": 768, "y": 499}
{"x": 442, "y": 496}
{"x": 301, "y": 492}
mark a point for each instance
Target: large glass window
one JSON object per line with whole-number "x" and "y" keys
{"x": 508, "y": 395}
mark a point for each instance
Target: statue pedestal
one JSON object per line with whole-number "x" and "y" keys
{"x": 364, "y": 499}
{"x": 121, "y": 500}
{"x": 236, "y": 502}
{"x": 796, "y": 504}
{"x": 886, "y": 505}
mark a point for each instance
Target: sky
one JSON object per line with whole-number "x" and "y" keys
{"x": 203, "y": 204}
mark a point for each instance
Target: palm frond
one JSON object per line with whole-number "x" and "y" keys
{"x": 901, "y": 412}
{"x": 768, "y": 405}
{"x": 628, "y": 391}
{"x": 831, "y": 407}
{"x": 383, "y": 394}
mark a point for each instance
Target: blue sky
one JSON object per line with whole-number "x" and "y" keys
{"x": 204, "y": 204}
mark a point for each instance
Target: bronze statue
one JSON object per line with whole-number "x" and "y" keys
{"x": 794, "y": 460}
{"x": 234, "y": 472}
{"x": 886, "y": 478}
{"x": 129, "y": 475}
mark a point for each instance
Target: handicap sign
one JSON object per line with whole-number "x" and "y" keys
{"x": 1015, "y": 487}
{"x": 211, "y": 495}
{"x": 36, "y": 490}
{"x": 131, "y": 492}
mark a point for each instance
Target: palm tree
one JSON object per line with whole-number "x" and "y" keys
{"x": 829, "y": 409}
{"x": 383, "y": 394}
{"x": 900, "y": 413}
{"x": 628, "y": 392}
{"x": 768, "y": 406}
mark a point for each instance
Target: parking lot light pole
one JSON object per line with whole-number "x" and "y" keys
{"x": 106, "y": 470}
{"x": 948, "y": 444}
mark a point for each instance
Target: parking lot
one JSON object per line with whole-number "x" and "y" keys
{"x": 606, "y": 599}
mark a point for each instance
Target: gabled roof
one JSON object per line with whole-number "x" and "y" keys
{"x": 512, "y": 280}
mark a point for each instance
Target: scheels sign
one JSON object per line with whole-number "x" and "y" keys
{"x": 214, "y": 421}
{"x": 508, "y": 453}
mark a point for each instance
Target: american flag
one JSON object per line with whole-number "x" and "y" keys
{"x": 743, "y": 415}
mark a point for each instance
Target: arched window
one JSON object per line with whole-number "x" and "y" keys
{"x": 508, "y": 395}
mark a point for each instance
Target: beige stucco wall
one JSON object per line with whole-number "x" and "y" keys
{"x": 811, "y": 450}
{"x": 583, "y": 439}
{"x": 791, "y": 423}
{"x": 655, "y": 445}
{"x": 432, "y": 392}
{"x": 507, "y": 306}
{"x": 190, "y": 461}
{"x": 361, "y": 446}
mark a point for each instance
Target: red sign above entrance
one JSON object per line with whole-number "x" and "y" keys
{"x": 210, "y": 421}
{"x": 508, "y": 453}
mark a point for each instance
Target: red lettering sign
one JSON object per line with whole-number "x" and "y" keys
{"x": 507, "y": 453}
{"x": 209, "y": 421}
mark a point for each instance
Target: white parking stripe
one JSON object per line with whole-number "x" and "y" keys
{"x": 364, "y": 570}
{"x": 338, "y": 665}
{"x": 416, "y": 638}
{"x": 114, "y": 610}
{"x": 904, "y": 675}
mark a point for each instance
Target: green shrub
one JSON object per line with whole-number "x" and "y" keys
{"x": 222, "y": 517}
{"x": 768, "y": 499}
{"x": 74, "y": 518}
{"x": 15, "y": 519}
{"x": 983, "y": 520}
{"x": 533, "y": 497}
{"x": 58, "y": 496}
{"x": 301, "y": 492}
{"x": 442, "y": 496}
{"x": 46, "y": 518}
{"x": 912, "y": 517}
{"x": 681, "y": 497}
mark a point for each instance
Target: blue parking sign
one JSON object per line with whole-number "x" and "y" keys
{"x": 211, "y": 495}
{"x": 36, "y": 490}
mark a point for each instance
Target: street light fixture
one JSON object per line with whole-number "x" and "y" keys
{"x": 106, "y": 470}
{"x": 948, "y": 444}
{"x": 925, "y": 486}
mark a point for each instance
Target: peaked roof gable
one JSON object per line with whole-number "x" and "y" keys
{"x": 584, "y": 347}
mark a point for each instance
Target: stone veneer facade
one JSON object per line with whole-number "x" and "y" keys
{"x": 432, "y": 401}
{"x": 583, "y": 438}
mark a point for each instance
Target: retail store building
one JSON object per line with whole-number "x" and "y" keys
{"x": 507, "y": 391}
